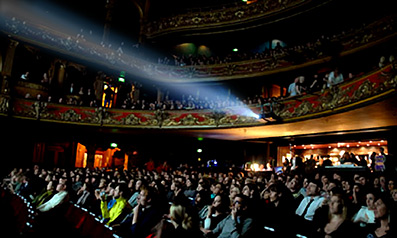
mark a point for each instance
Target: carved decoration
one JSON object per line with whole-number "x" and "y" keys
{"x": 39, "y": 109}
{"x": 70, "y": 115}
{"x": 4, "y": 104}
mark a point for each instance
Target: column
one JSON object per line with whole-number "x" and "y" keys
{"x": 91, "y": 149}
{"x": 7, "y": 67}
{"x": 108, "y": 20}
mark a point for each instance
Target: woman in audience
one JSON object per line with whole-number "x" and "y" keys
{"x": 338, "y": 225}
{"x": 184, "y": 221}
{"x": 366, "y": 215}
{"x": 383, "y": 228}
{"x": 219, "y": 209}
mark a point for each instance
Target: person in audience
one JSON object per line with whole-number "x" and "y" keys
{"x": 281, "y": 206}
{"x": 219, "y": 209}
{"x": 202, "y": 203}
{"x": 45, "y": 195}
{"x": 365, "y": 217}
{"x": 335, "y": 77}
{"x": 145, "y": 215}
{"x": 338, "y": 224}
{"x": 113, "y": 214}
{"x": 190, "y": 189}
{"x": 292, "y": 88}
{"x": 307, "y": 208}
{"x": 61, "y": 196}
{"x": 133, "y": 201}
{"x": 185, "y": 222}
{"x": 301, "y": 86}
{"x": 85, "y": 196}
{"x": 384, "y": 228}
{"x": 237, "y": 223}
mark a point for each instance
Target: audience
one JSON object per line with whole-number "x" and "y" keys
{"x": 242, "y": 203}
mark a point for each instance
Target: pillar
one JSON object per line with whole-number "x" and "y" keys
{"x": 108, "y": 20}
{"x": 91, "y": 149}
{"x": 61, "y": 75}
{"x": 7, "y": 67}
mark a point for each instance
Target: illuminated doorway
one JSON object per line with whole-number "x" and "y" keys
{"x": 109, "y": 95}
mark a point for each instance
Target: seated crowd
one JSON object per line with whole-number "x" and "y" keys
{"x": 196, "y": 202}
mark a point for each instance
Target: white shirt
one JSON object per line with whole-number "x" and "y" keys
{"x": 53, "y": 202}
{"x": 312, "y": 208}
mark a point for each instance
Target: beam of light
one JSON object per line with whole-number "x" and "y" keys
{"x": 51, "y": 27}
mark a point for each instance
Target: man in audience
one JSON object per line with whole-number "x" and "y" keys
{"x": 145, "y": 215}
{"x": 120, "y": 207}
{"x": 59, "y": 198}
{"x": 307, "y": 208}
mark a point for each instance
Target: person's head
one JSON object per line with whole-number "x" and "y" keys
{"x": 145, "y": 196}
{"x": 346, "y": 185}
{"x": 370, "y": 199}
{"x": 217, "y": 188}
{"x": 221, "y": 203}
{"x": 376, "y": 182}
{"x": 293, "y": 185}
{"x": 138, "y": 184}
{"x": 390, "y": 184}
{"x": 314, "y": 188}
{"x": 251, "y": 190}
{"x": 234, "y": 190}
{"x": 180, "y": 217}
{"x": 61, "y": 187}
{"x": 363, "y": 180}
{"x": 394, "y": 194}
{"x": 121, "y": 190}
{"x": 382, "y": 207}
{"x": 337, "y": 205}
{"x": 276, "y": 190}
{"x": 202, "y": 198}
{"x": 240, "y": 203}
{"x": 51, "y": 185}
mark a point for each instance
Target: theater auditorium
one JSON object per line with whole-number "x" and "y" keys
{"x": 207, "y": 119}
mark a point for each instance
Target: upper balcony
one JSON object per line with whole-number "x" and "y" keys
{"x": 226, "y": 18}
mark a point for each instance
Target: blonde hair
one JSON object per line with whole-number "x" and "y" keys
{"x": 180, "y": 216}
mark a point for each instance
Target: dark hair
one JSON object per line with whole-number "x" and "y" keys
{"x": 316, "y": 182}
{"x": 225, "y": 203}
{"x": 244, "y": 197}
{"x": 205, "y": 197}
{"x": 123, "y": 188}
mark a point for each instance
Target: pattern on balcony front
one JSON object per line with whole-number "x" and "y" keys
{"x": 368, "y": 88}
{"x": 220, "y": 17}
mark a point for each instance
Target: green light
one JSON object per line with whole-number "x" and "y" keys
{"x": 199, "y": 150}
{"x": 121, "y": 79}
{"x": 200, "y": 138}
{"x": 235, "y": 49}
{"x": 114, "y": 145}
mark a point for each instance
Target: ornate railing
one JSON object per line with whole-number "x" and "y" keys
{"x": 210, "y": 18}
{"x": 346, "y": 96}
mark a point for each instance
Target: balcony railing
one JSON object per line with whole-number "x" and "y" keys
{"x": 369, "y": 87}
